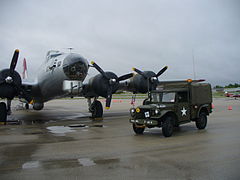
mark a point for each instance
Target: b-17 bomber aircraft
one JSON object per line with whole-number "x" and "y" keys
{"x": 62, "y": 75}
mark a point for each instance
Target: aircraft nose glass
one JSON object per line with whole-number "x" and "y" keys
{"x": 75, "y": 70}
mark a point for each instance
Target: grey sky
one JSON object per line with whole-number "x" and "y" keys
{"x": 119, "y": 35}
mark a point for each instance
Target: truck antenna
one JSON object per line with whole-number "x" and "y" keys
{"x": 194, "y": 71}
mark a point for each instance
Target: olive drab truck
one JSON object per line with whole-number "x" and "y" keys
{"x": 172, "y": 104}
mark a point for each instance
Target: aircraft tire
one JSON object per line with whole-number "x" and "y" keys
{"x": 3, "y": 112}
{"x": 167, "y": 126}
{"x": 201, "y": 122}
{"x": 27, "y": 106}
{"x": 97, "y": 109}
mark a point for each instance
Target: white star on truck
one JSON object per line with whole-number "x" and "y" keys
{"x": 184, "y": 111}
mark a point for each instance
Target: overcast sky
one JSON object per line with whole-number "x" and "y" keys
{"x": 121, "y": 34}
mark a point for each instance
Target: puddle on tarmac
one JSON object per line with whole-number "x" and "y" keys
{"x": 60, "y": 130}
{"x": 107, "y": 161}
{"x": 90, "y": 162}
{"x": 68, "y": 163}
{"x": 56, "y": 164}
{"x": 77, "y": 125}
{"x": 86, "y": 162}
{"x": 30, "y": 165}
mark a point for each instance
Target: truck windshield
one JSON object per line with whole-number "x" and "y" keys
{"x": 168, "y": 97}
{"x": 155, "y": 97}
{"x": 163, "y": 97}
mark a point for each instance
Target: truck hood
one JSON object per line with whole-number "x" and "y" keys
{"x": 156, "y": 106}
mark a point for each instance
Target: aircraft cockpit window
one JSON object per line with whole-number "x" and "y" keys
{"x": 53, "y": 54}
{"x": 59, "y": 63}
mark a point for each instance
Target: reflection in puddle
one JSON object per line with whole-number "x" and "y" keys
{"x": 30, "y": 165}
{"x": 86, "y": 162}
{"x": 107, "y": 161}
{"x": 60, "y": 130}
{"x": 68, "y": 163}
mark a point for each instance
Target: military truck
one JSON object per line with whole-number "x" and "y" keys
{"x": 173, "y": 104}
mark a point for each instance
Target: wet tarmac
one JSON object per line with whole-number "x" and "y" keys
{"x": 62, "y": 142}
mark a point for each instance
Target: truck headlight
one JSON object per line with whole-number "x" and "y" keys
{"x": 132, "y": 111}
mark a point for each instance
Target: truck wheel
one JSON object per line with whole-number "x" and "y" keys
{"x": 167, "y": 126}
{"x": 201, "y": 122}
{"x": 145, "y": 101}
{"x": 3, "y": 112}
{"x": 138, "y": 130}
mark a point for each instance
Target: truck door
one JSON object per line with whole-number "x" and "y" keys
{"x": 183, "y": 108}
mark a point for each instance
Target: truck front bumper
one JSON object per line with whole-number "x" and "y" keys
{"x": 145, "y": 122}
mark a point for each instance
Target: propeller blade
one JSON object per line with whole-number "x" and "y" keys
{"x": 109, "y": 98}
{"x": 126, "y": 76}
{"x": 161, "y": 71}
{"x": 139, "y": 72}
{"x": 14, "y": 61}
{"x": 100, "y": 70}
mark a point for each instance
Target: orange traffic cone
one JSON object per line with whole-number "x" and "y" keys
{"x": 229, "y": 107}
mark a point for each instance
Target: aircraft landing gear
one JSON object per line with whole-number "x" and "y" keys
{"x": 27, "y": 106}
{"x": 9, "y": 111}
{"x": 95, "y": 108}
{"x": 3, "y": 112}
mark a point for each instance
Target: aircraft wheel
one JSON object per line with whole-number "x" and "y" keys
{"x": 3, "y": 112}
{"x": 167, "y": 126}
{"x": 201, "y": 122}
{"x": 138, "y": 130}
{"x": 97, "y": 109}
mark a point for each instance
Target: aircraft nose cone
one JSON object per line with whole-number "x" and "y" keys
{"x": 75, "y": 67}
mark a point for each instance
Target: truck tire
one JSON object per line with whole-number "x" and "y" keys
{"x": 167, "y": 126}
{"x": 145, "y": 101}
{"x": 138, "y": 130}
{"x": 201, "y": 122}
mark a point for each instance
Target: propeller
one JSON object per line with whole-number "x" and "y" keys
{"x": 148, "y": 81}
{"x": 11, "y": 77}
{"x": 14, "y": 62}
{"x": 146, "y": 76}
{"x": 161, "y": 71}
{"x": 112, "y": 82}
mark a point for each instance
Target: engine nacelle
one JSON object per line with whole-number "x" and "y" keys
{"x": 38, "y": 106}
{"x": 100, "y": 85}
{"x": 140, "y": 84}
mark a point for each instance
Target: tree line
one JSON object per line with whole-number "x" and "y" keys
{"x": 236, "y": 85}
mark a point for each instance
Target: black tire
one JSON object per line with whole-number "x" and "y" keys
{"x": 201, "y": 122}
{"x": 138, "y": 130}
{"x": 167, "y": 126}
{"x": 3, "y": 112}
{"x": 145, "y": 101}
{"x": 27, "y": 106}
{"x": 96, "y": 109}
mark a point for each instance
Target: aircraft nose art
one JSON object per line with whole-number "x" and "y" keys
{"x": 75, "y": 67}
